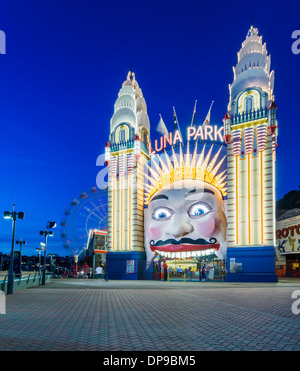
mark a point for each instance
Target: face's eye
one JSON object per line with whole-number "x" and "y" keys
{"x": 199, "y": 209}
{"x": 162, "y": 213}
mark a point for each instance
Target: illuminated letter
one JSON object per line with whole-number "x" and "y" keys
{"x": 168, "y": 139}
{"x": 199, "y": 133}
{"x": 210, "y": 129}
{"x": 218, "y": 133}
{"x": 191, "y": 129}
{"x": 177, "y": 136}
{"x": 161, "y": 144}
{"x": 151, "y": 152}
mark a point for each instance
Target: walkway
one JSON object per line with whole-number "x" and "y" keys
{"x": 87, "y": 315}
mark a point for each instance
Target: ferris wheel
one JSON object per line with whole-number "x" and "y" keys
{"x": 86, "y": 212}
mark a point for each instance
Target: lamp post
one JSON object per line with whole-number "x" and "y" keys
{"x": 52, "y": 265}
{"x": 46, "y": 233}
{"x": 76, "y": 262}
{"x": 39, "y": 249}
{"x": 1, "y": 257}
{"x": 21, "y": 243}
{"x": 12, "y": 215}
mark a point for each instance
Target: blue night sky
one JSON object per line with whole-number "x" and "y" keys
{"x": 66, "y": 60}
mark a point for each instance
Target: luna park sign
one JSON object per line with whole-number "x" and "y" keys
{"x": 213, "y": 133}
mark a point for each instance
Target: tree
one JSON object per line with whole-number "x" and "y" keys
{"x": 291, "y": 200}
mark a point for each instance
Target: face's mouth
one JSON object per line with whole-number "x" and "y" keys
{"x": 173, "y": 247}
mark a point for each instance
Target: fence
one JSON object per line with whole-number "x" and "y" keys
{"x": 23, "y": 282}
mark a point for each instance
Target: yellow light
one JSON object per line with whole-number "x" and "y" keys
{"x": 274, "y": 217}
{"x": 249, "y": 198}
{"x": 205, "y": 169}
{"x": 129, "y": 209}
{"x": 237, "y": 159}
{"x": 114, "y": 213}
{"x": 261, "y": 199}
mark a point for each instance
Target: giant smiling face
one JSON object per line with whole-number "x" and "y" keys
{"x": 186, "y": 216}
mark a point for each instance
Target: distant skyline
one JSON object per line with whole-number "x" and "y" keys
{"x": 66, "y": 61}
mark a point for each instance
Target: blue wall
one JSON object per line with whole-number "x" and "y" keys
{"x": 258, "y": 264}
{"x": 116, "y": 266}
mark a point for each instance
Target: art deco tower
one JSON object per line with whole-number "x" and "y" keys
{"x": 126, "y": 154}
{"x": 250, "y": 133}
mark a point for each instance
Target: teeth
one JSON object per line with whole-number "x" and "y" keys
{"x": 186, "y": 254}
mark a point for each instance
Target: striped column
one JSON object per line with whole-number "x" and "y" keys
{"x": 232, "y": 235}
{"x": 269, "y": 194}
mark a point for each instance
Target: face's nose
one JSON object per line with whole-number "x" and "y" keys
{"x": 179, "y": 227}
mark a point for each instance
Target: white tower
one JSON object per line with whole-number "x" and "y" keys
{"x": 126, "y": 154}
{"x": 250, "y": 133}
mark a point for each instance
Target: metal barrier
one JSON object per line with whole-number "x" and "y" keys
{"x": 23, "y": 281}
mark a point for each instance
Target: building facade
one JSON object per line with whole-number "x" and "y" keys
{"x": 250, "y": 138}
{"x": 288, "y": 243}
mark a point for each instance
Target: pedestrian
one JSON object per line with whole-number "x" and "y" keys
{"x": 180, "y": 270}
{"x": 85, "y": 270}
{"x": 165, "y": 267}
{"x": 203, "y": 274}
{"x": 99, "y": 272}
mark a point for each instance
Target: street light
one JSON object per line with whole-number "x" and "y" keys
{"x": 12, "y": 215}
{"x": 21, "y": 243}
{"x": 51, "y": 263}
{"x": 7, "y": 215}
{"x": 39, "y": 249}
{"x": 46, "y": 233}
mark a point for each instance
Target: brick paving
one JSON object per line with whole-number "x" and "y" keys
{"x": 93, "y": 315}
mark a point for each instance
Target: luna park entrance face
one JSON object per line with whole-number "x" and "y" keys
{"x": 189, "y": 269}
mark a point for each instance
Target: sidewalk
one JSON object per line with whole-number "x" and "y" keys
{"x": 88, "y": 315}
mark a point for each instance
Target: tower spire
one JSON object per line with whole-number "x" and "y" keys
{"x": 130, "y": 72}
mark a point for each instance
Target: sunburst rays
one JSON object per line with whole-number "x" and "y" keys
{"x": 167, "y": 170}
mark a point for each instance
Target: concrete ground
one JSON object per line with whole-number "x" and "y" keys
{"x": 89, "y": 315}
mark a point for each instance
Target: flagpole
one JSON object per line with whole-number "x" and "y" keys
{"x": 176, "y": 123}
{"x": 194, "y": 112}
{"x": 174, "y": 119}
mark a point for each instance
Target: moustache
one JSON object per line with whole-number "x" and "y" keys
{"x": 184, "y": 240}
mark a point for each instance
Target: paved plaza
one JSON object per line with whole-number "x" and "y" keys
{"x": 94, "y": 315}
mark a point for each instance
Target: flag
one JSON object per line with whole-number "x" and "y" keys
{"x": 207, "y": 119}
{"x": 161, "y": 127}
